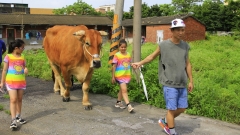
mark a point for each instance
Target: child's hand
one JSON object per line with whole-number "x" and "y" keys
{"x": 25, "y": 71}
{"x": 1, "y": 88}
{"x": 113, "y": 80}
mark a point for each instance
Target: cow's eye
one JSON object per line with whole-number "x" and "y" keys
{"x": 87, "y": 43}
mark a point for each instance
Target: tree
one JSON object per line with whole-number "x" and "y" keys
{"x": 231, "y": 16}
{"x": 126, "y": 15}
{"x": 110, "y": 14}
{"x": 210, "y": 13}
{"x": 145, "y": 11}
{"x": 78, "y": 8}
{"x": 167, "y": 9}
{"x": 185, "y": 6}
{"x": 155, "y": 10}
{"x": 59, "y": 11}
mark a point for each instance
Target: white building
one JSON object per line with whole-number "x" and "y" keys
{"x": 108, "y": 7}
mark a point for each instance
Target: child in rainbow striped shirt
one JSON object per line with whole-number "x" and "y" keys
{"x": 13, "y": 76}
{"x": 121, "y": 74}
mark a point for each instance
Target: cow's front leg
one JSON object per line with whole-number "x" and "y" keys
{"x": 68, "y": 84}
{"x": 85, "y": 88}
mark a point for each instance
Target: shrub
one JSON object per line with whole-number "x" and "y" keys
{"x": 8, "y": 112}
{"x": 216, "y": 76}
{"x": 1, "y": 107}
{"x": 6, "y": 96}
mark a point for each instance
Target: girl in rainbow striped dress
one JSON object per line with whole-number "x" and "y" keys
{"x": 121, "y": 74}
{"x": 13, "y": 76}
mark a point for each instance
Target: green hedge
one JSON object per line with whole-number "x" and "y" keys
{"x": 215, "y": 64}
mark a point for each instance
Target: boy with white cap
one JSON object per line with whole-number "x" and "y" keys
{"x": 174, "y": 71}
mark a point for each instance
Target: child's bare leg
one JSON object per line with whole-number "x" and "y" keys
{"x": 120, "y": 97}
{"x": 13, "y": 102}
{"x": 19, "y": 101}
{"x": 123, "y": 87}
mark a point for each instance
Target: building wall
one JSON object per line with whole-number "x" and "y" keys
{"x": 41, "y": 11}
{"x": 194, "y": 31}
{"x": 14, "y": 8}
{"x": 108, "y": 7}
{"x": 151, "y": 32}
{"x": 16, "y": 32}
{"x": 102, "y": 10}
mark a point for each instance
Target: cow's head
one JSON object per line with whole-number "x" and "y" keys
{"x": 92, "y": 44}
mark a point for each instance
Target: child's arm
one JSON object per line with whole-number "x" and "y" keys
{"x": 113, "y": 73}
{"x": 25, "y": 70}
{"x": 4, "y": 72}
{"x": 25, "y": 67}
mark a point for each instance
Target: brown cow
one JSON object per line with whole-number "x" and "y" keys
{"x": 73, "y": 50}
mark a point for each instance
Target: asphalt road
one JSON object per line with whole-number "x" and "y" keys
{"x": 48, "y": 115}
{"x": 28, "y": 47}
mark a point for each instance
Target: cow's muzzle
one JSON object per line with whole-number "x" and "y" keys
{"x": 96, "y": 61}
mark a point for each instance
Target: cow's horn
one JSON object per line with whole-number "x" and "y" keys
{"x": 103, "y": 33}
{"x": 79, "y": 33}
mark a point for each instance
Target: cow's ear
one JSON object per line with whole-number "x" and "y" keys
{"x": 103, "y": 33}
{"x": 79, "y": 34}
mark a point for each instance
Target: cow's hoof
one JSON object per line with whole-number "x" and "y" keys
{"x": 57, "y": 92}
{"x": 89, "y": 107}
{"x": 66, "y": 99}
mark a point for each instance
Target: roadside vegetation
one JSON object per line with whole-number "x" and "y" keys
{"x": 215, "y": 64}
{"x": 5, "y": 96}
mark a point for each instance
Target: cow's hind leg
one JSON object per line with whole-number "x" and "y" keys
{"x": 57, "y": 81}
{"x": 68, "y": 84}
{"x": 56, "y": 86}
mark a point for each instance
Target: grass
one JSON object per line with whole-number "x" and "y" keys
{"x": 1, "y": 107}
{"x": 215, "y": 66}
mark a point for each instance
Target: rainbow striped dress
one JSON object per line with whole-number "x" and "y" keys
{"x": 15, "y": 78}
{"x": 122, "y": 72}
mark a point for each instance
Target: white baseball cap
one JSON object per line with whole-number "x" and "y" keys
{"x": 177, "y": 23}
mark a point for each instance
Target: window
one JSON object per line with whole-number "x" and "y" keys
{"x": 0, "y": 33}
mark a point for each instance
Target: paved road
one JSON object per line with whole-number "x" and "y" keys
{"x": 28, "y": 47}
{"x": 48, "y": 115}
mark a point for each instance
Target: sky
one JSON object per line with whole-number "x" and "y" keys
{"x": 93, "y": 3}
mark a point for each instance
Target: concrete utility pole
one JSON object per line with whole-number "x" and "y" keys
{"x": 137, "y": 30}
{"x": 116, "y": 29}
{"x": 22, "y": 27}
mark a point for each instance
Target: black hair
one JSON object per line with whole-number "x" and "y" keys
{"x": 17, "y": 43}
{"x": 172, "y": 29}
{"x": 122, "y": 41}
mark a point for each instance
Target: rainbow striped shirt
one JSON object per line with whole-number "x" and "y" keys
{"x": 15, "y": 78}
{"x": 122, "y": 72}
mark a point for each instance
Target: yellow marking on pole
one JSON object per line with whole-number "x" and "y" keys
{"x": 115, "y": 19}
{"x": 116, "y": 36}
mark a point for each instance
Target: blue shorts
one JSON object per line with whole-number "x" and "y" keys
{"x": 175, "y": 98}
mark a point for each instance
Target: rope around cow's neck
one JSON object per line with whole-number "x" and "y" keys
{"x": 94, "y": 55}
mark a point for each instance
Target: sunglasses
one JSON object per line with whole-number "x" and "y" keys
{"x": 22, "y": 48}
